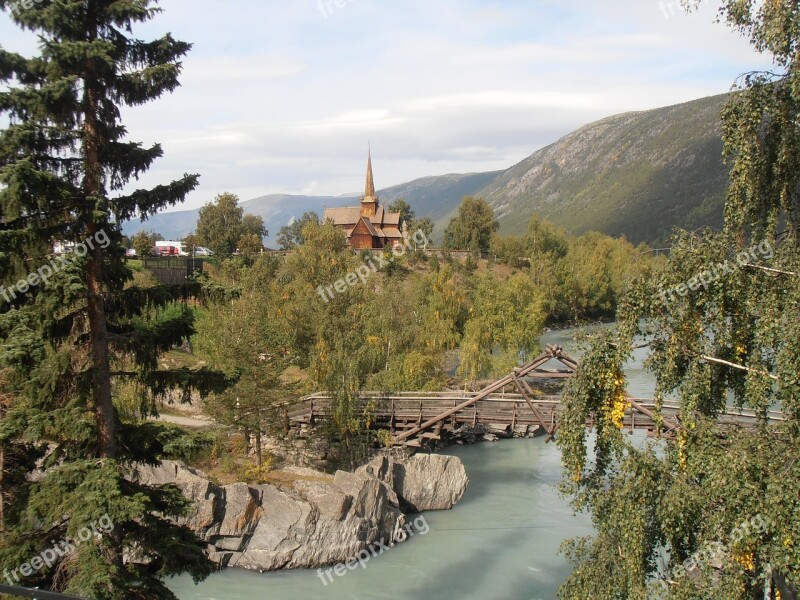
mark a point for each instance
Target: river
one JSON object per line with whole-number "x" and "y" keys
{"x": 499, "y": 543}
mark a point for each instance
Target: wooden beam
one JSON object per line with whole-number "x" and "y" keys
{"x": 649, "y": 413}
{"x": 552, "y": 434}
{"x": 528, "y": 388}
{"x": 535, "y": 410}
{"x": 550, "y": 375}
{"x": 480, "y": 396}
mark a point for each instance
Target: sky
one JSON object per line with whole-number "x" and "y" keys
{"x": 285, "y": 96}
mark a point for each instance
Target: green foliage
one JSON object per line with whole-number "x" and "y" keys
{"x": 410, "y": 371}
{"x": 728, "y": 338}
{"x": 244, "y": 339}
{"x": 144, "y": 242}
{"x": 592, "y": 276}
{"x": 509, "y": 250}
{"x": 222, "y": 224}
{"x": 291, "y": 236}
{"x": 250, "y": 245}
{"x": 425, "y": 225}
{"x": 253, "y": 225}
{"x": 506, "y": 318}
{"x": 579, "y": 278}
{"x": 404, "y": 208}
{"x": 472, "y": 228}
{"x": 73, "y": 342}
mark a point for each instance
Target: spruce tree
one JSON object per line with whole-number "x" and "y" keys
{"x": 73, "y": 326}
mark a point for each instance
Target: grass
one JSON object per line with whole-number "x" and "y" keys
{"x": 226, "y": 462}
{"x": 180, "y": 359}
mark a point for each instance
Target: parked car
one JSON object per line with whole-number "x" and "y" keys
{"x": 202, "y": 251}
{"x": 166, "y": 248}
{"x": 166, "y": 251}
{"x": 130, "y": 253}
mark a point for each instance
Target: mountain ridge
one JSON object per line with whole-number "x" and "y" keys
{"x": 634, "y": 174}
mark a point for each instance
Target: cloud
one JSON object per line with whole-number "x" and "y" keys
{"x": 277, "y": 98}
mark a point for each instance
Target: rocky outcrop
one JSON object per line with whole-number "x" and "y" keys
{"x": 423, "y": 481}
{"x": 312, "y": 519}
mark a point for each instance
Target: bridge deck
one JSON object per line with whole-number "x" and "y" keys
{"x": 412, "y": 417}
{"x": 399, "y": 412}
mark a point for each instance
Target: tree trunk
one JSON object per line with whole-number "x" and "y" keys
{"x": 259, "y": 456}
{"x": 2, "y": 493}
{"x": 101, "y": 362}
{"x": 105, "y": 417}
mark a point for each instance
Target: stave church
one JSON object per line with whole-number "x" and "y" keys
{"x": 369, "y": 226}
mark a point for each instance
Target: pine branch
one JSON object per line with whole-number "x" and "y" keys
{"x": 146, "y": 203}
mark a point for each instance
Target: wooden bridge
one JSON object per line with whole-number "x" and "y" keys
{"x": 507, "y": 405}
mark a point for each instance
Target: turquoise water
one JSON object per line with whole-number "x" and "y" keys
{"x": 499, "y": 543}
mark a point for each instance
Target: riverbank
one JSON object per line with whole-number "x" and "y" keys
{"x": 500, "y": 541}
{"x": 312, "y": 519}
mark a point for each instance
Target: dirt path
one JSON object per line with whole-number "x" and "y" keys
{"x": 185, "y": 421}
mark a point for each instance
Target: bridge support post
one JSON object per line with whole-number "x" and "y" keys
{"x": 535, "y": 410}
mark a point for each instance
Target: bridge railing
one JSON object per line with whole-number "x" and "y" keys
{"x": 403, "y": 408}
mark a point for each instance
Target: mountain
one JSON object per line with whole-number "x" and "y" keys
{"x": 636, "y": 174}
{"x": 439, "y": 197}
{"x": 172, "y": 225}
{"x": 279, "y": 209}
{"x": 276, "y": 209}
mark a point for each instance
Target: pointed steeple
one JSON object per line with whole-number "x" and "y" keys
{"x": 369, "y": 203}
{"x": 369, "y": 191}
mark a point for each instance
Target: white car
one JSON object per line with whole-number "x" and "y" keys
{"x": 202, "y": 251}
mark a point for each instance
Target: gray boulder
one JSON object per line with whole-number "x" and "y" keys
{"x": 317, "y": 520}
{"x": 423, "y": 481}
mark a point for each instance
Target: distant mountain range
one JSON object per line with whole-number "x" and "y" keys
{"x": 276, "y": 209}
{"x": 636, "y": 174}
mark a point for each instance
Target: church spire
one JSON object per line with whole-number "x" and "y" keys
{"x": 369, "y": 191}
{"x": 369, "y": 203}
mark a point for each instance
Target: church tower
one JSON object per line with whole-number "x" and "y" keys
{"x": 369, "y": 203}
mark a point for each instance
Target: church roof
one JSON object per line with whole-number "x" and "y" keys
{"x": 392, "y": 233}
{"x": 383, "y": 225}
{"x": 372, "y": 231}
{"x": 343, "y": 216}
{"x": 392, "y": 218}
{"x": 350, "y": 215}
